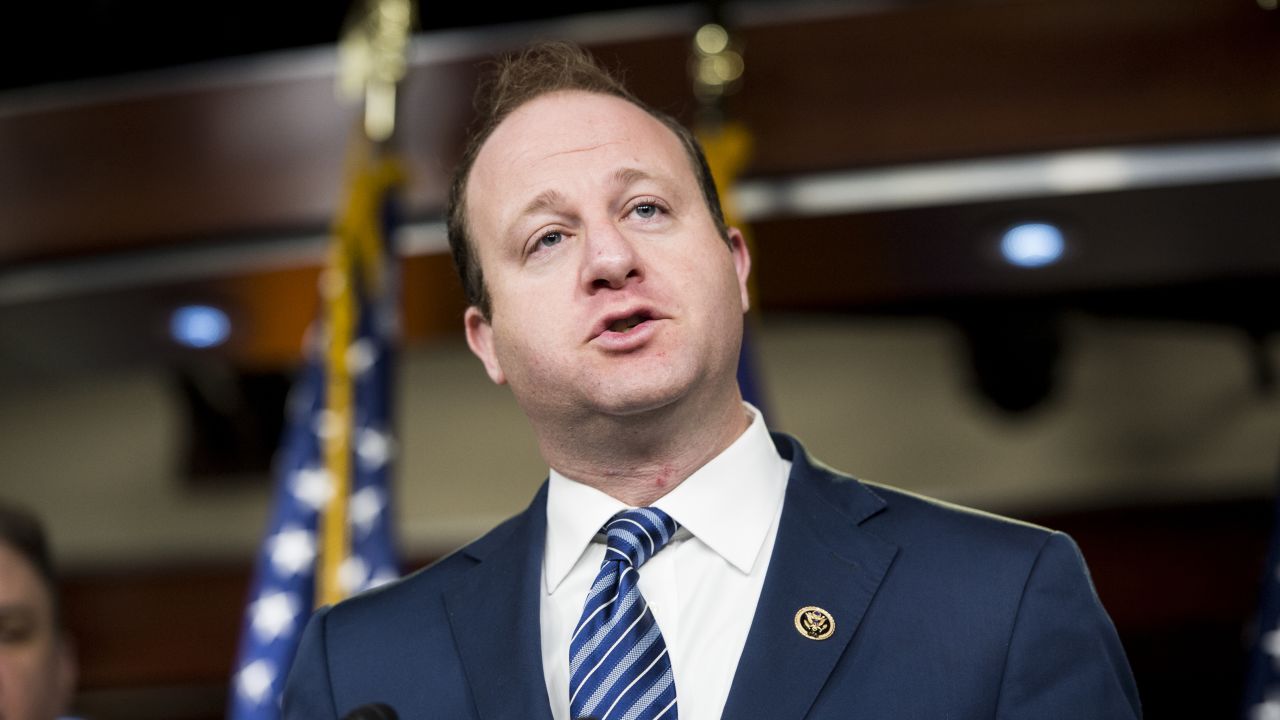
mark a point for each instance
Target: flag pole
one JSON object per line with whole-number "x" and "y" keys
{"x": 329, "y": 534}
{"x": 372, "y": 60}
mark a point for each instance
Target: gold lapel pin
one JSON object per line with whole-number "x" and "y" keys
{"x": 815, "y": 623}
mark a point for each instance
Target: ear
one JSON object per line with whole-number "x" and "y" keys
{"x": 480, "y": 339}
{"x": 741, "y": 264}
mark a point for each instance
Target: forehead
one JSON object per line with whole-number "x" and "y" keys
{"x": 566, "y": 137}
{"x": 19, "y": 580}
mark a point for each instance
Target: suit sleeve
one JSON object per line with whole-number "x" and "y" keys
{"x": 308, "y": 693}
{"x": 1065, "y": 659}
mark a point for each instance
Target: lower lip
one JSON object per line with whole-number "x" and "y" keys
{"x": 632, "y": 339}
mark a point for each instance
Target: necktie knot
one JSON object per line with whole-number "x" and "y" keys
{"x": 636, "y": 534}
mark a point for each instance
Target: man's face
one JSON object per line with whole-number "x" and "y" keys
{"x": 36, "y": 670}
{"x": 612, "y": 291}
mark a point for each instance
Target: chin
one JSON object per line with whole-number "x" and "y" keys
{"x": 630, "y": 406}
{"x": 636, "y": 400}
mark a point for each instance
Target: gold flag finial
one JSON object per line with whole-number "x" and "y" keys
{"x": 716, "y": 64}
{"x": 373, "y": 57}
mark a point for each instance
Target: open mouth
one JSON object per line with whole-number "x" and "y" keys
{"x": 622, "y": 325}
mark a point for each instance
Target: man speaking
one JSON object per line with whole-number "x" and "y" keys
{"x": 681, "y": 562}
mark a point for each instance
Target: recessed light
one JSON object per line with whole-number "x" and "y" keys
{"x": 1032, "y": 245}
{"x": 199, "y": 326}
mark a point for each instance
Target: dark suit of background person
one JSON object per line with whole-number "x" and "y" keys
{"x": 612, "y": 303}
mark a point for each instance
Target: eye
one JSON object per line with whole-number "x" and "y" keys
{"x": 645, "y": 211}
{"x": 648, "y": 210}
{"x": 16, "y": 628}
{"x": 550, "y": 239}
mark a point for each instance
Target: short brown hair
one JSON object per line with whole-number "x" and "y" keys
{"x": 514, "y": 81}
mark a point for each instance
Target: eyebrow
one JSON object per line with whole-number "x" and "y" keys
{"x": 628, "y": 176}
{"x": 549, "y": 199}
{"x": 546, "y": 200}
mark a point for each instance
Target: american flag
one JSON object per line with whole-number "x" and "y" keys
{"x": 1262, "y": 689}
{"x": 342, "y": 396}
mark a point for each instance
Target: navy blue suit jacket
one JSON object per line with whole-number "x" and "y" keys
{"x": 940, "y": 612}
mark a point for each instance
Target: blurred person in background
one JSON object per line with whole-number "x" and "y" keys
{"x": 37, "y": 660}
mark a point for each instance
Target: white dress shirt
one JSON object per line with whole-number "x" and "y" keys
{"x": 702, "y": 588}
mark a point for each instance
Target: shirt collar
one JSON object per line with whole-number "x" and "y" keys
{"x": 748, "y": 477}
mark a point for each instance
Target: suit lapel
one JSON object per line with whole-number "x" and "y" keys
{"x": 821, "y": 558}
{"x": 494, "y": 614}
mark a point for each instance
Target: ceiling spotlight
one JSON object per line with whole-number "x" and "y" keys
{"x": 199, "y": 326}
{"x": 1032, "y": 245}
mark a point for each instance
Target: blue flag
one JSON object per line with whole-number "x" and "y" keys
{"x": 310, "y": 486}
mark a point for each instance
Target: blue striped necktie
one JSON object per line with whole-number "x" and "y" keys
{"x": 618, "y": 663}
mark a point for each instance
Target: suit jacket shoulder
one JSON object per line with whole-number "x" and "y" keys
{"x": 939, "y": 611}
{"x": 426, "y": 643}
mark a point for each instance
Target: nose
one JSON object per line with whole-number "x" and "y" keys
{"x": 611, "y": 259}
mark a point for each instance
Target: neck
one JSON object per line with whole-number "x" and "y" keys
{"x": 638, "y": 459}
